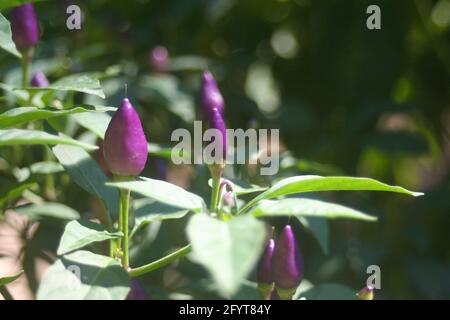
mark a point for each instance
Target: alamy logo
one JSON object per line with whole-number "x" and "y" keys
{"x": 374, "y": 20}
{"x": 73, "y": 22}
{"x": 247, "y": 147}
{"x": 374, "y": 280}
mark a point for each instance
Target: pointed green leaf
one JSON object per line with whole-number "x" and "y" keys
{"x": 228, "y": 250}
{"x": 5, "y": 280}
{"x": 11, "y": 137}
{"x": 299, "y": 184}
{"x": 83, "y": 275}
{"x": 48, "y": 210}
{"x": 21, "y": 115}
{"x": 88, "y": 175}
{"x": 6, "y": 42}
{"x": 164, "y": 192}
{"x": 307, "y": 207}
{"x": 78, "y": 234}
{"x": 83, "y": 82}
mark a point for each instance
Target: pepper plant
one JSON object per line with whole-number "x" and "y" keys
{"x": 227, "y": 233}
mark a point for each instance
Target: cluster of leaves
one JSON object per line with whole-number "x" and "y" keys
{"x": 228, "y": 250}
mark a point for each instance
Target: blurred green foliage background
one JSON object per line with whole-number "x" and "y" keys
{"x": 347, "y": 100}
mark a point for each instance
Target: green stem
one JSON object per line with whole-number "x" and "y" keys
{"x": 120, "y": 222}
{"x": 216, "y": 174}
{"x": 26, "y": 59}
{"x": 5, "y": 293}
{"x": 136, "y": 272}
{"x": 125, "y": 199}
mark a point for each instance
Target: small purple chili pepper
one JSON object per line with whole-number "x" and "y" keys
{"x": 287, "y": 264}
{"x": 137, "y": 292}
{"x": 210, "y": 96}
{"x": 24, "y": 26}
{"x": 264, "y": 274}
{"x": 125, "y": 147}
{"x": 159, "y": 59}
{"x": 39, "y": 80}
{"x": 216, "y": 122}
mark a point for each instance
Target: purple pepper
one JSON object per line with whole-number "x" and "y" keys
{"x": 24, "y": 26}
{"x": 137, "y": 292}
{"x": 216, "y": 122}
{"x": 264, "y": 274}
{"x": 39, "y": 80}
{"x": 287, "y": 264}
{"x": 159, "y": 59}
{"x": 210, "y": 96}
{"x": 125, "y": 147}
{"x": 365, "y": 293}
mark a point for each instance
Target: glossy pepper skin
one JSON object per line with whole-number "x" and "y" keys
{"x": 216, "y": 122}
{"x": 211, "y": 97}
{"x": 137, "y": 292}
{"x": 264, "y": 274}
{"x": 287, "y": 264}
{"x": 24, "y": 26}
{"x": 39, "y": 80}
{"x": 125, "y": 147}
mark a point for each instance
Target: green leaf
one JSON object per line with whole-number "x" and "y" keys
{"x": 14, "y": 3}
{"x": 228, "y": 250}
{"x": 11, "y": 137}
{"x": 309, "y": 183}
{"x": 88, "y": 175}
{"x": 21, "y": 115}
{"x": 48, "y": 210}
{"x": 46, "y": 167}
{"x": 83, "y": 82}
{"x": 150, "y": 210}
{"x": 97, "y": 123}
{"x": 330, "y": 291}
{"x": 164, "y": 192}
{"x": 5, "y": 280}
{"x": 307, "y": 207}
{"x": 6, "y": 42}
{"x": 318, "y": 227}
{"x": 78, "y": 234}
{"x": 83, "y": 275}
{"x": 13, "y": 192}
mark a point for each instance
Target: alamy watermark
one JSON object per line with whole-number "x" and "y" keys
{"x": 251, "y": 146}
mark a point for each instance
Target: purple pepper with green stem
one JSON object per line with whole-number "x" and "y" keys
{"x": 264, "y": 273}
{"x": 287, "y": 264}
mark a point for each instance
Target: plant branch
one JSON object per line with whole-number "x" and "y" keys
{"x": 160, "y": 262}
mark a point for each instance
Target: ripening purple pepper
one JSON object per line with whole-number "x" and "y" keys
{"x": 287, "y": 264}
{"x": 264, "y": 273}
{"x": 216, "y": 122}
{"x": 39, "y": 80}
{"x": 210, "y": 96}
{"x": 125, "y": 147}
{"x": 24, "y": 26}
{"x": 159, "y": 59}
{"x": 137, "y": 292}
